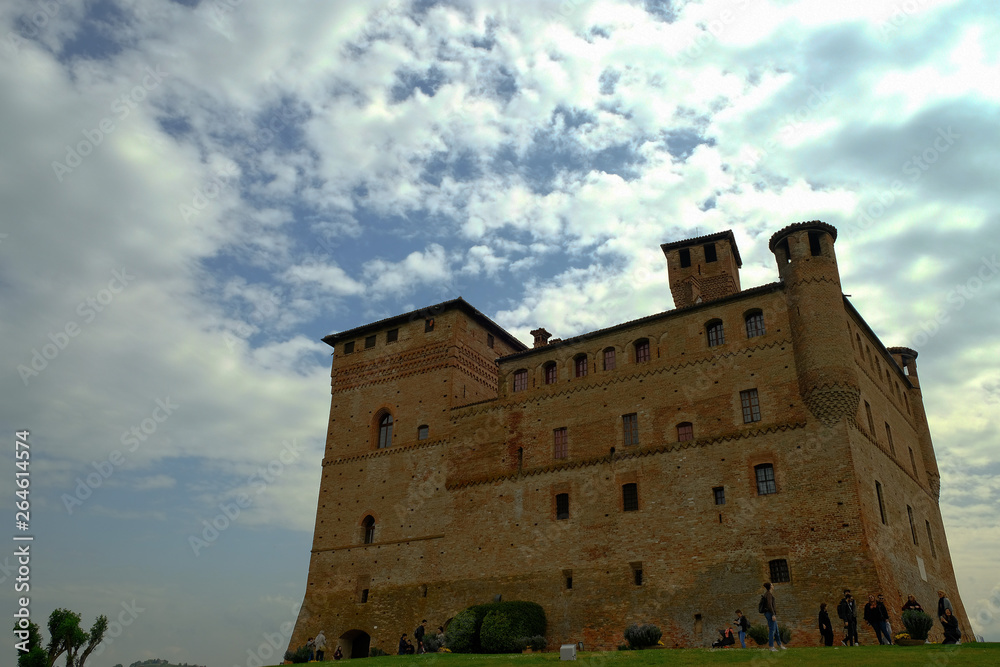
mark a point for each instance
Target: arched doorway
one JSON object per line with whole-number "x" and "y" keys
{"x": 355, "y": 643}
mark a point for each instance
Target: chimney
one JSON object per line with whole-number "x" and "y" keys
{"x": 541, "y": 337}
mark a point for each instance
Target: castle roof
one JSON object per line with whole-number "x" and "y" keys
{"x": 422, "y": 313}
{"x": 796, "y": 226}
{"x": 708, "y": 238}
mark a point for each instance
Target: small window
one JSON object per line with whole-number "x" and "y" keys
{"x": 568, "y": 578}
{"x": 349, "y": 347}
{"x": 913, "y": 462}
{"x": 888, "y": 435}
{"x": 562, "y": 506}
{"x": 637, "y": 575}
{"x": 369, "y": 526}
{"x": 560, "y": 443}
{"x": 580, "y": 364}
{"x": 779, "y": 571}
{"x": 871, "y": 422}
{"x": 751, "y": 406}
{"x": 364, "y": 595}
{"x": 913, "y": 528}
{"x": 630, "y": 497}
{"x": 642, "y": 351}
{"x": 720, "y": 495}
{"x": 385, "y": 431}
{"x": 630, "y": 427}
{"x": 755, "y": 324}
{"x": 930, "y": 539}
{"x": 429, "y": 324}
{"x": 685, "y": 255}
{"x": 716, "y": 334}
{"x": 369, "y": 342}
{"x": 551, "y": 371}
{"x": 489, "y": 340}
{"x": 520, "y": 380}
{"x": 814, "y": 247}
{"x": 423, "y": 431}
{"x": 609, "y": 358}
{"x": 392, "y": 335}
{"x": 685, "y": 432}
{"x": 881, "y": 501}
{"x": 765, "y": 479}
{"x": 710, "y": 255}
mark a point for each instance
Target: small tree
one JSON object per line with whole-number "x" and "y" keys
{"x": 646, "y": 634}
{"x": 65, "y": 636}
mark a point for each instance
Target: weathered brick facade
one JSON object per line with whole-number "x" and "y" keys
{"x": 463, "y": 499}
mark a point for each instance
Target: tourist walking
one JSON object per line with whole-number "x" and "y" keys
{"x": 742, "y": 626}
{"x": 825, "y": 627}
{"x": 847, "y": 610}
{"x": 771, "y": 614}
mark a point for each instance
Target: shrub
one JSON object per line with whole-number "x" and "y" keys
{"x": 496, "y": 634}
{"x": 376, "y": 652}
{"x": 298, "y": 656}
{"x": 642, "y": 635}
{"x": 527, "y": 619}
{"x": 460, "y": 637}
{"x": 917, "y": 623}
{"x": 758, "y": 633}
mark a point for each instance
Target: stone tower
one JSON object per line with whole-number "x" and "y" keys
{"x": 703, "y": 268}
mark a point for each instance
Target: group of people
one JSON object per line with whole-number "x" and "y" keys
{"x": 876, "y": 615}
{"x": 317, "y": 648}
{"x": 769, "y": 608}
{"x": 406, "y": 647}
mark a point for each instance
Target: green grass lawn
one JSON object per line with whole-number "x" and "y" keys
{"x": 929, "y": 655}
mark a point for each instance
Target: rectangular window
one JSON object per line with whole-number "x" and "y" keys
{"x": 642, "y": 351}
{"x": 369, "y": 342}
{"x": 716, "y": 334}
{"x": 720, "y": 495}
{"x": 755, "y": 325}
{"x": 888, "y": 435}
{"x": 562, "y": 506}
{"x": 637, "y": 576}
{"x": 568, "y": 579}
{"x": 814, "y": 248}
{"x": 765, "y": 479}
{"x": 751, "y": 406}
{"x": 349, "y": 347}
{"x": 710, "y": 255}
{"x": 489, "y": 340}
{"x": 930, "y": 539}
{"x": 581, "y": 366}
{"x": 685, "y": 257}
{"x": 392, "y": 335}
{"x": 913, "y": 528}
{"x": 550, "y": 373}
{"x": 630, "y": 497}
{"x": 630, "y": 427}
{"x": 520, "y": 380}
{"x": 364, "y": 595}
{"x": 422, "y": 432}
{"x": 779, "y": 571}
{"x": 881, "y": 502}
{"x": 871, "y": 422}
{"x": 913, "y": 462}
{"x": 685, "y": 432}
{"x": 560, "y": 443}
{"x": 429, "y": 324}
{"x": 609, "y": 359}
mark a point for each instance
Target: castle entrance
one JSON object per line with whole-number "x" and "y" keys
{"x": 355, "y": 643}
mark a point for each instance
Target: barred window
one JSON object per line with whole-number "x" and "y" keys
{"x": 560, "y": 443}
{"x": 630, "y": 427}
{"x": 779, "y": 571}
{"x": 755, "y": 324}
{"x": 609, "y": 359}
{"x": 630, "y": 497}
{"x": 720, "y": 495}
{"x": 551, "y": 372}
{"x": 685, "y": 432}
{"x": 765, "y": 479}
{"x": 392, "y": 335}
{"x": 520, "y": 380}
{"x": 716, "y": 333}
{"x": 751, "y": 406}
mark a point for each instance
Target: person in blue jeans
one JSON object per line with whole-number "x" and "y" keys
{"x": 771, "y": 614}
{"x": 742, "y": 625}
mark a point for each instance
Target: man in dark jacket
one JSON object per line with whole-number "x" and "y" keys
{"x": 418, "y": 634}
{"x": 847, "y": 610}
{"x": 884, "y": 615}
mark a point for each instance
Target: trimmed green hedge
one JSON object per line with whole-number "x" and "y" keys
{"x": 460, "y": 637}
{"x": 522, "y": 619}
{"x": 646, "y": 634}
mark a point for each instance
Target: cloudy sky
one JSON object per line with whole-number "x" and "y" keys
{"x": 194, "y": 193}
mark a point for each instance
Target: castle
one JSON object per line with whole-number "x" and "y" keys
{"x": 658, "y": 470}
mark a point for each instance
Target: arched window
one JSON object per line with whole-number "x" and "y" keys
{"x": 716, "y": 334}
{"x": 520, "y": 380}
{"x": 685, "y": 432}
{"x": 551, "y": 372}
{"x": 860, "y": 350}
{"x": 369, "y": 525}
{"x": 642, "y": 350}
{"x": 755, "y": 323}
{"x": 423, "y": 431}
{"x": 385, "y": 431}
{"x": 580, "y": 365}
{"x": 609, "y": 358}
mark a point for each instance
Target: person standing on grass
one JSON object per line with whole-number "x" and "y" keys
{"x": 884, "y": 615}
{"x": 847, "y": 610}
{"x": 742, "y": 625}
{"x": 771, "y": 614}
{"x": 825, "y": 628}
{"x": 320, "y": 646}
